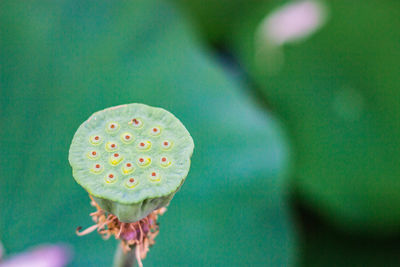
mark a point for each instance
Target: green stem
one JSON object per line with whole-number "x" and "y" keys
{"x": 122, "y": 259}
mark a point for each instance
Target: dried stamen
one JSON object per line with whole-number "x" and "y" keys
{"x": 140, "y": 234}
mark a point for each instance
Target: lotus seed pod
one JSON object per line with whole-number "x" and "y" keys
{"x": 131, "y": 158}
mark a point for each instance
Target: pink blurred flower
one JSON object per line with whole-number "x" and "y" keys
{"x": 294, "y": 21}
{"x": 43, "y": 256}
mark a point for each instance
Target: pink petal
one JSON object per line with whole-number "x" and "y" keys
{"x": 294, "y": 21}
{"x": 43, "y": 256}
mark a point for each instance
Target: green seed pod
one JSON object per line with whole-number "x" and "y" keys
{"x": 131, "y": 158}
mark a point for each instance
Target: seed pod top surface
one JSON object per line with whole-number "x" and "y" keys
{"x": 130, "y": 153}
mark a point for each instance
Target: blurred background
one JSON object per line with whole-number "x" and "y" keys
{"x": 294, "y": 107}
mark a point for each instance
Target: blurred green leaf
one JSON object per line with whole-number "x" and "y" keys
{"x": 325, "y": 245}
{"x": 215, "y": 18}
{"x": 63, "y": 60}
{"x": 339, "y": 92}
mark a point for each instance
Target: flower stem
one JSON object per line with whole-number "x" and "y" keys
{"x": 122, "y": 259}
